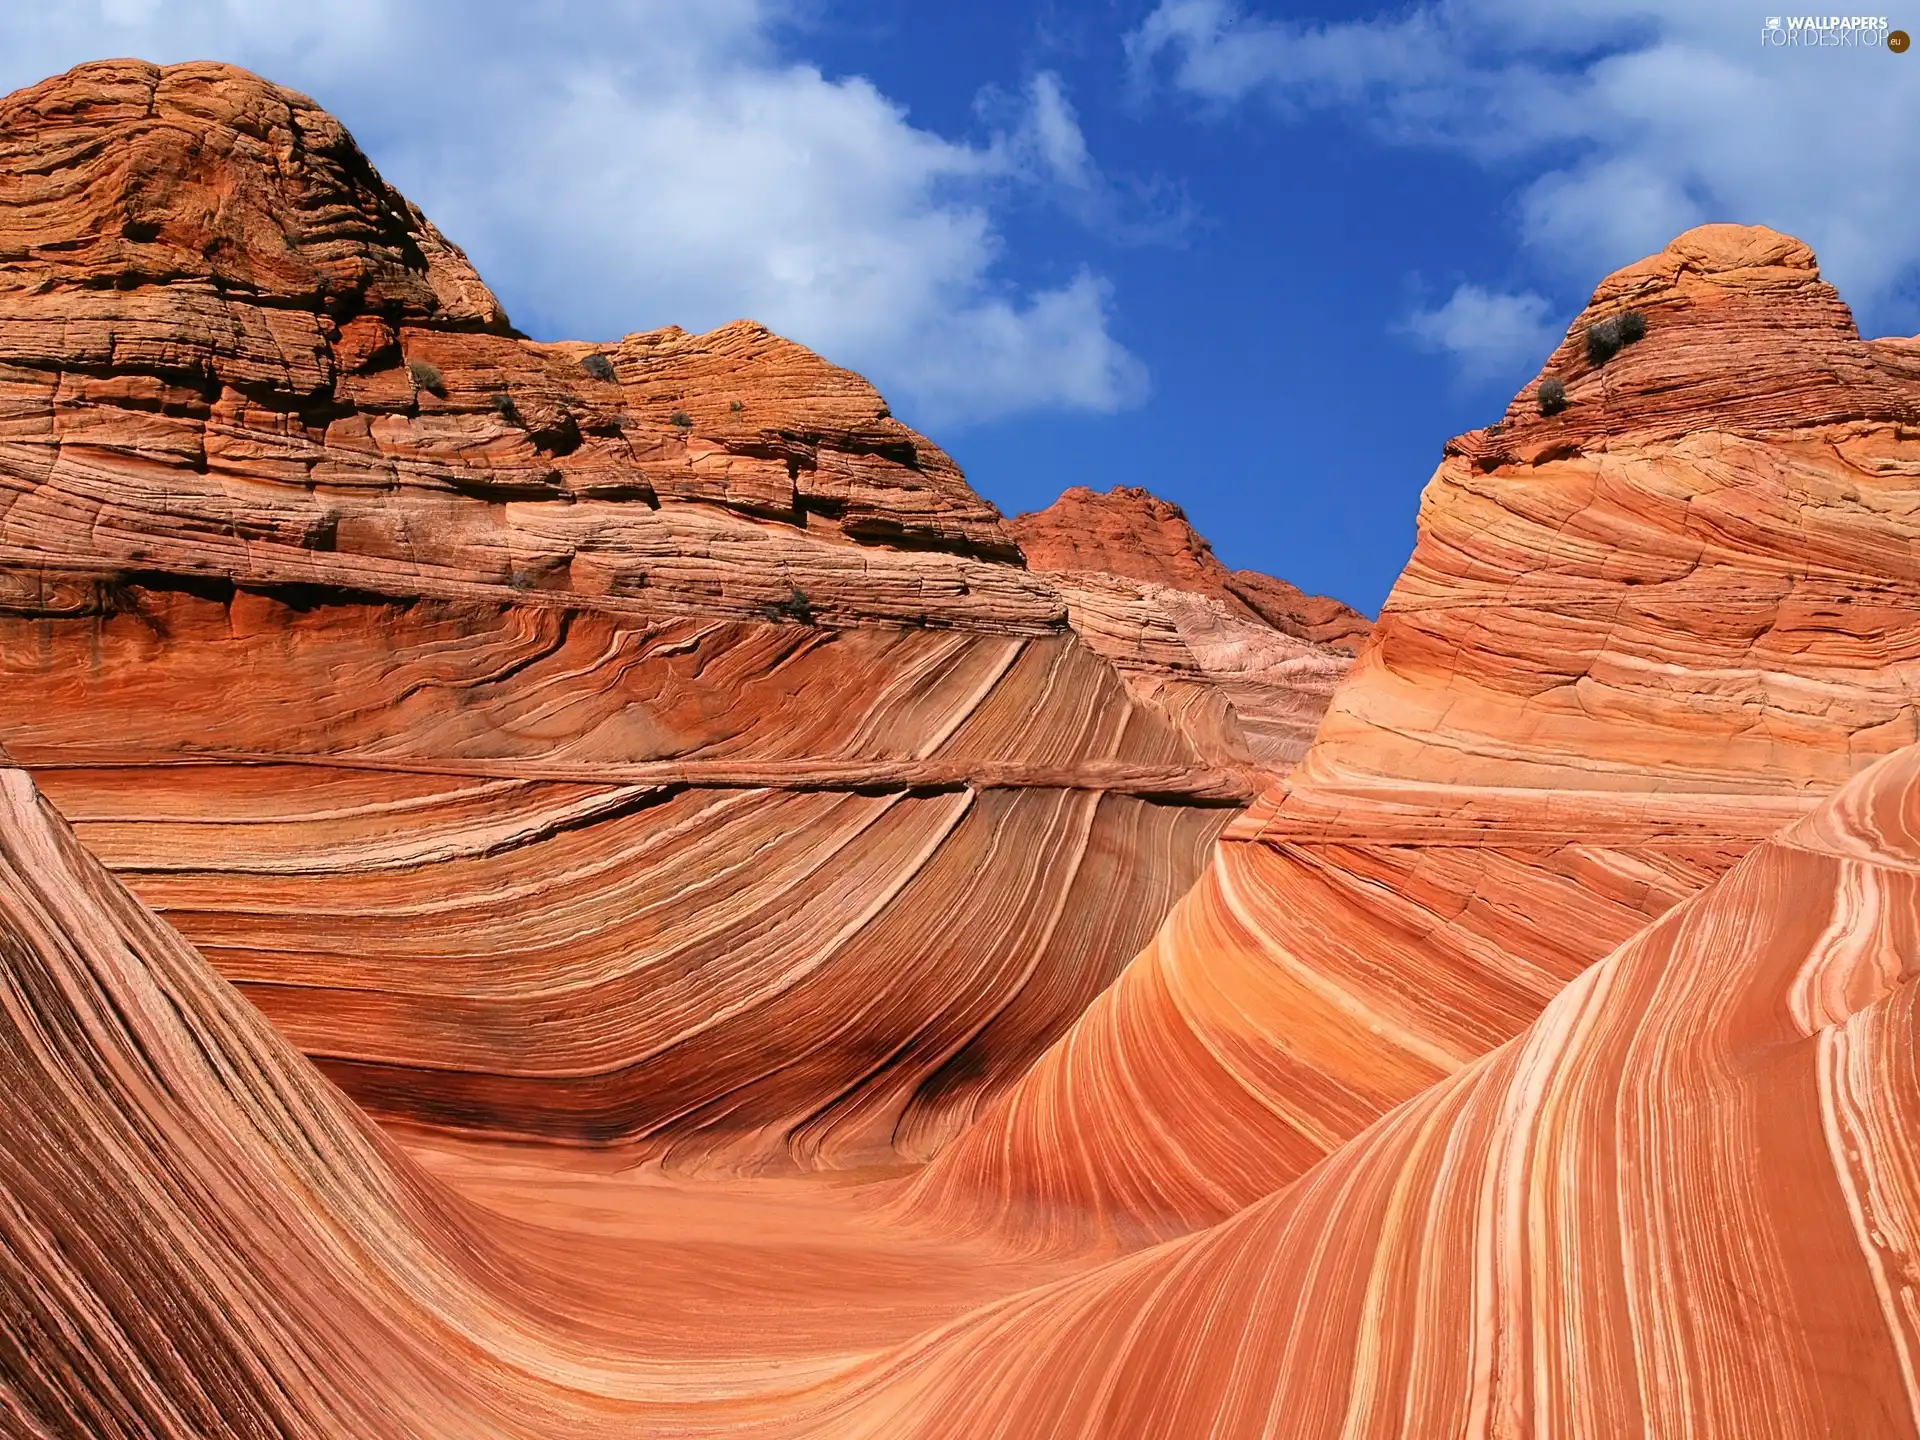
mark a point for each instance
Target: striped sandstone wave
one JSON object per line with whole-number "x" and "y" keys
{"x": 1634, "y": 638}
{"x": 660, "y": 799}
{"x": 1683, "y": 1200}
{"x": 653, "y": 743}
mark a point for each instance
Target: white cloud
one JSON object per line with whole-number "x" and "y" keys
{"x": 1628, "y": 121}
{"x": 993, "y": 355}
{"x": 619, "y": 166}
{"x": 1037, "y": 133}
{"x": 1492, "y": 335}
{"x": 1053, "y": 130}
{"x": 1223, "y": 55}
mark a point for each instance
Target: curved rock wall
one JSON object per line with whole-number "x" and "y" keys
{"x": 1634, "y": 639}
{"x": 653, "y": 743}
{"x": 657, "y": 750}
{"x": 1683, "y": 1199}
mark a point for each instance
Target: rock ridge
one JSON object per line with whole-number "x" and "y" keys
{"x": 1132, "y": 533}
{"x": 1611, "y": 667}
{"x": 1566, "y": 985}
{"x": 1742, "y": 336}
{"x": 200, "y": 270}
{"x": 678, "y": 682}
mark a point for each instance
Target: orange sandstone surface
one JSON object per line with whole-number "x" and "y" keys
{"x": 1133, "y": 534}
{"x": 1634, "y": 639}
{"x": 1682, "y": 1201}
{"x": 565, "y": 890}
{"x": 654, "y": 743}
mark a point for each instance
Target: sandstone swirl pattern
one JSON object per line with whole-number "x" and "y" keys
{"x": 1133, "y": 534}
{"x": 1146, "y": 591}
{"x": 554, "y": 834}
{"x": 1634, "y": 638}
{"x": 651, "y": 743}
{"x": 1684, "y": 1201}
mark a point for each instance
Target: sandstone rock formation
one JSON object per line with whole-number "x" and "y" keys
{"x": 1243, "y": 658}
{"x": 1683, "y": 1201}
{"x": 1132, "y": 533}
{"x": 619, "y": 768}
{"x": 1633, "y": 639}
{"x": 655, "y": 742}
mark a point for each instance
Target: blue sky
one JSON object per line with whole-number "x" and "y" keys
{"x": 1262, "y": 258}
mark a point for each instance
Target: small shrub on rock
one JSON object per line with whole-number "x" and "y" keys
{"x": 1606, "y": 338}
{"x": 503, "y": 406}
{"x": 598, "y": 366}
{"x": 1552, "y": 397}
{"x": 682, "y": 419}
{"x": 426, "y": 376}
{"x": 795, "y": 607}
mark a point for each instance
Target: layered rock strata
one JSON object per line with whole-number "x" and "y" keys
{"x": 1241, "y": 657}
{"x": 1548, "y": 992}
{"x": 600, "y": 744}
{"x": 1133, "y": 534}
{"x": 1634, "y": 638}
{"x": 1682, "y": 1200}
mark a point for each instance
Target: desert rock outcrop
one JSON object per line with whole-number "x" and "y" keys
{"x": 1241, "y": 657}
{"x": 595, "y": 743}
{"x": 1133, "y": 534}
{"x": 1682, "y": 1200}
{"x": 1633, "y": 639}
{"x": 485, "y": 824}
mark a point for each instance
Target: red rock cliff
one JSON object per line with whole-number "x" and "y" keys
{"x": 1536, "y": 1058}
{"x": 1133, "y": 533}
{"x": 558, "y": 739}
{"x": 1635, "y": 637}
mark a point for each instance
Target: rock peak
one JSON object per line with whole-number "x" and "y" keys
{"x": 1718, "y": 248}
{"x": 1126, "y": 531}
{"x": 1730, "y": 257}
{"x": 191, "y": 254}
{"x": 126, "y": 174}
{"x": 1738, "y": 333}
{"x": 1131, "y": 532}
